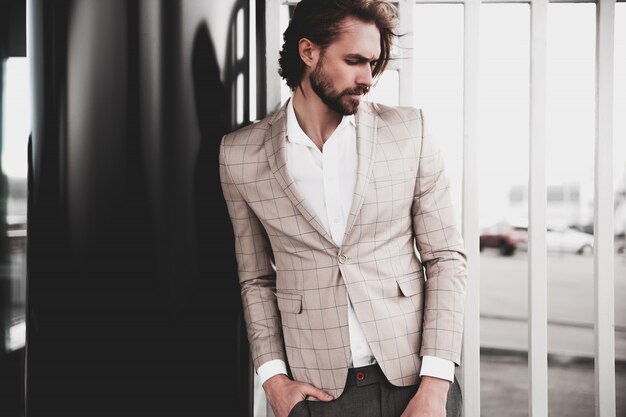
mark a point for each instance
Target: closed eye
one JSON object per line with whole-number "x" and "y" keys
{"x": 361, "y": 60}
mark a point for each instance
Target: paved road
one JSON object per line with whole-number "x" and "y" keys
{"x": 504, "y": 302}
{"x": 571, "y": 391}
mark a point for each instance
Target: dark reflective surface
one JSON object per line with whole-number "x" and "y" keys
{"x": 134, "y": 306}
{"x": 12, "y": 226}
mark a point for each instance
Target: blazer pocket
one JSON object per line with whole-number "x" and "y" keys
{"x": 411, "y": 284}
{"x": 289, "y": 303}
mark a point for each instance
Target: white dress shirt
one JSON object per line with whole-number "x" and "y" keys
{"x": 326, "y": 180}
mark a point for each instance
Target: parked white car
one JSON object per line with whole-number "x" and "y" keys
{"x": 565, "y": 239}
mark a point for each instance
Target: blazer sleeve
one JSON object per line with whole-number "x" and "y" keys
{"x": 257, "y": 275}
{"x": 440, "y": 246}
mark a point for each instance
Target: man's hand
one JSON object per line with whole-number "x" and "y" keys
{"x": 430, "y": 399}
{"x": 283, "y": 393}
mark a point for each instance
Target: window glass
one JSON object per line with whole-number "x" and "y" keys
{"x": 438, "y": 83}
{"x": 503, "y": 151}
{"x": 16, "y": 129}
{"x": 570, "y": 147}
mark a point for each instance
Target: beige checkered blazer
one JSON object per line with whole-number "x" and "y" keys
{"x": 294, "y": 279}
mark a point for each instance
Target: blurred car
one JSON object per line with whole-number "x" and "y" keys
{"x": 509, "y": 237}
{"x": 504, "y": 236}
{"x": 566, "y": 239}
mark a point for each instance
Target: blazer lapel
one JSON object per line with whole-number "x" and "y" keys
{"x": 366, "y": 128}
{"x": 275, "y": 143}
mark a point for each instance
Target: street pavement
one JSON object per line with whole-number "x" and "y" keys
{"x": 570, "y": 303}
{"x": 571, "y": 390}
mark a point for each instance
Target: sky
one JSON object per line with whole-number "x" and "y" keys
{"x": 504, "y": 94}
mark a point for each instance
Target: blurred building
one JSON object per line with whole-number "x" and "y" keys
{"x": 569, "y": 204}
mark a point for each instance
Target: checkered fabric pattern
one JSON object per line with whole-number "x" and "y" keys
{"x": 295, "y": 280}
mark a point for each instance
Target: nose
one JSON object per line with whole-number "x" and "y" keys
{"x": 365, "y": 76}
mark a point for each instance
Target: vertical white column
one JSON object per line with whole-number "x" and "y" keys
{"x": 407, "y": 94}
{"x": 471, "y": 338}
{"x": 537, "y": 206}
{"x": 273, "y": 44}
{"x": 604, "y": 206}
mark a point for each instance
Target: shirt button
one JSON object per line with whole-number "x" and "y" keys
{"x": 360, "y": 376}
{"x": 336, "y": 220}
{"x": 343, "y": 259}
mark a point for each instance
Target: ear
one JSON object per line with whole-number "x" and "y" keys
{"x": 309, "y": 52}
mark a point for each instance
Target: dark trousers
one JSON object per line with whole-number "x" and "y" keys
{"x": 368, "y": 393}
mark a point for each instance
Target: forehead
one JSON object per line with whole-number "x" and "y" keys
{"x": 357, "y": 37}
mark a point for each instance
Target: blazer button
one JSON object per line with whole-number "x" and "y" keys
{"x": 343, "y": 259}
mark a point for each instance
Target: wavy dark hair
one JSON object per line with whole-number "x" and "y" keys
{"x": 320, "y": 21}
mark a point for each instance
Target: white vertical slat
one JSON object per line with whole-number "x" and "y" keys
{"x": 407, "y": 95}
{"x": 273, "y": 44}
{"x": 603, "y": 222}
{"x": 252, "y": 36}
{"x": 471, "y": 339}
{"x": 537, "y": 205}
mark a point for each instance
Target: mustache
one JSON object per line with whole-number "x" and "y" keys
{"x": 358, "y": 90}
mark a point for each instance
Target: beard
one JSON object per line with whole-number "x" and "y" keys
{"x": 342, "y": 102}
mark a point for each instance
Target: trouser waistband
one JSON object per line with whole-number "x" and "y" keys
{"x": 365, "y": 375}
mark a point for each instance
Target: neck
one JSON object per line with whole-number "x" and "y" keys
{"x": 315, "y": 118}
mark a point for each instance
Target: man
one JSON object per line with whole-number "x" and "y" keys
{"x": 329, "y": 196}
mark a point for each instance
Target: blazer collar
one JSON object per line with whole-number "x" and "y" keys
{"x": 366, "y": 135}
{"x": 275, "y": 143}
{"x": 366, "y": 120}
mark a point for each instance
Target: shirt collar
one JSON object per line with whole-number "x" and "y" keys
{"x": 295, "y": 134}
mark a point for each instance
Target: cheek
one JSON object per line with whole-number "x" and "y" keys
{"x": 346, "y": 78}
{"x": 342, "y": 74}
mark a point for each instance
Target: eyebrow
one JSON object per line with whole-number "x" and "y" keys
{"x": 360, "y": 57}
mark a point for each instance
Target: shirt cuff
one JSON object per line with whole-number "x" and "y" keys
{"x": 270, "y": 369}
{"x": 437, "y": 367}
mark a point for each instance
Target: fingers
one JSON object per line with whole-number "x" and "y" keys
{"x": 311, "y": 391}
{"x": 283, "y": 394}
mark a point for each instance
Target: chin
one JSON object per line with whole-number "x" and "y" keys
{"x": 351, "y": 106}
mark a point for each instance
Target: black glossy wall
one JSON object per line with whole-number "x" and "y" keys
{"x": 12, "y": 44}
{"x": 133, "y": 301}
